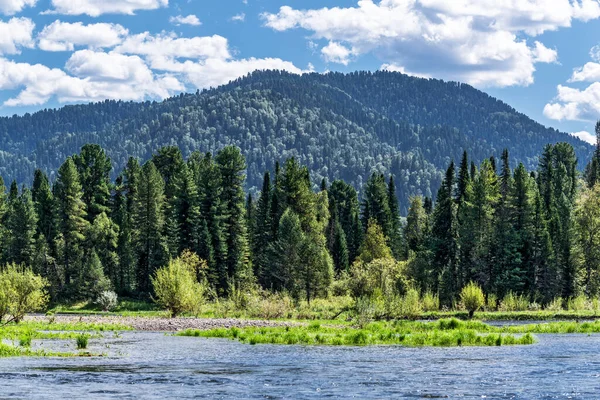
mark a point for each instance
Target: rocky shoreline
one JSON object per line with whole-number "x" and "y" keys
{"x": 157, "y": 324}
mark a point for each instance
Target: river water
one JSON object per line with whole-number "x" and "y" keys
{"x": 157, "y": 366}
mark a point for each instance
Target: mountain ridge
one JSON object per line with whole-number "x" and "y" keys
{"x": 340, "y": 125}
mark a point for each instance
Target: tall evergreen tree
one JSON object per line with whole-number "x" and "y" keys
{"x": 148, "y": 223}
{"x": 70, "y": 220}
{"x": 237, "y": 262}
{"x": 94, "y": 167}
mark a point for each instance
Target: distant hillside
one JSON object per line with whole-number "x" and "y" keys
{"x": 340, "y": 125}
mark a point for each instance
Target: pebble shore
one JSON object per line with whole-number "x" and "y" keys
{"x": 157, "y": 324}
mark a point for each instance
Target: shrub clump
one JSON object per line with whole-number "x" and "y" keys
{"x": 108, "y": 300}
{"x": 472, "y": 298}
{"x": 82, "y": 341}
{"x": 21, "y": 291}
{"x": 176, "y": 286}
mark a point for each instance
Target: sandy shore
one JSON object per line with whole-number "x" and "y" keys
{"x": 161, "y": 324}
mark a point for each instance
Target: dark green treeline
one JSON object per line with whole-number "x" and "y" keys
{"x": 508, "y": 230}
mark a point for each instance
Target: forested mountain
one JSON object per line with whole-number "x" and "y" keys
{"x": 340, "y": 126}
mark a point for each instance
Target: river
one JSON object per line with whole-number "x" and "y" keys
{"x": 157, "y": 366}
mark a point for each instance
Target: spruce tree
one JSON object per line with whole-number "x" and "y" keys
{"x": 232, "y": 165}
{"x": 262, "y": 234}
{"x": 395, "y": 239}
{"x": 94, "y": 167}
{"x": 149, "y": 224}
{"x": 21, "y": 225}
{"x": 70, "y": 220}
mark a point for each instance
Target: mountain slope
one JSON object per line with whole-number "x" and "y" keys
{"x": 341, "y": 126}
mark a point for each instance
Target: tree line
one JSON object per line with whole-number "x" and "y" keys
{"x": 535, "y": 233}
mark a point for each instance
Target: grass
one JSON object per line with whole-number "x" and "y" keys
{"x": 446, "y": 333}
{"x": 25, "y": 332}
{"x": 82, "y": 341}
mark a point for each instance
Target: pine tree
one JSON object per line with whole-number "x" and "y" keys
{"x": 344, "y": 206}
{"x": 149, "y": 224}
{"x": 444, "y": 240}
{"x": 376, "y": 204}
{"x": 285, "y": 255}
{"x": 186, "y": 211}
{"x": 70, "y": 220}
{"x": 211, "y": 210}
{"x": 94, "y": 167}
{"x": 464, "y": 177}
{"x": 104, "y": 236}
{"x": 395, "y": 238}
{"x": 22, "y": 224}
{"x": 262, "y": 234}
{"x": 232, "y": 166}
{"x": 43, "y": 199}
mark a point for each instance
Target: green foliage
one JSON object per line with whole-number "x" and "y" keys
{"x": 82, "y": 341}
{"x": 21, "y": 291}
{"x": 471, "y": 296}
{"x": 513, "y": 302}
{"x": 108, "y": 300}
{"x": 176, "y": 286}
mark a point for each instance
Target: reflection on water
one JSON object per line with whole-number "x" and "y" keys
{"x": 156, "y": 366}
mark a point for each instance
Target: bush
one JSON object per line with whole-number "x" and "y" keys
{"x": 176, "y": 286}
{"x": 21, "y": 291}
{"x": 411, "y": 304}
{"x": 108, "y": 300}
{"x": 82, "y": 341}
{"x": 430, "y": 302}
{"x": 555, "y": 305}
{"x": 492, "y": 302}
{"x": 579, "y": 303}
{"x": 472, "y": 298}
{"x": 513, "y": 302}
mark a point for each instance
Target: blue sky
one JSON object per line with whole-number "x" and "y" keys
{"x": 540, "y": 56}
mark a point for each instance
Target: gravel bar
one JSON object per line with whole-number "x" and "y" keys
{"x": 157, "y": 324}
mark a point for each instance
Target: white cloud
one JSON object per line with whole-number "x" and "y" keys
{"x": 336, "y": 53}
{"x": 402, "y": 70}
{"x": 15, "y": 34}
{"x": 64, "y": 36}
{"x": 11, "y": 7}
{"x": 585, "y": 136}
{"x": 95, "y": 8}
{"x": 169, "y": 46}
{"x": 590, "y": 72}
{"x": 574, "y": 104}
{"x": 483, "y": 42}
{"x": 189, "y": 20}
{"x": 239, "y": 17}
{"x": 95, "y": 76}
{"x": 542, "y": 54}
{"x": 200, "y": 61}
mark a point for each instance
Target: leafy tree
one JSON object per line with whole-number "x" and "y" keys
{"x": 21, "y": 291}
{"x": 587, "y": 217}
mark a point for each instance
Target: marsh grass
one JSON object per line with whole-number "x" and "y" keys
{"x": 82, "y": 341}
{"x": 446, "y": 333}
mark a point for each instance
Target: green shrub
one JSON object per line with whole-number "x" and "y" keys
{"x": 492, "y": 302}
{"x": 579, "y": 303}
{"x": 25, "y": 341}
{"x": 513, "y": 302}
{"x": 108, "y": 300}
{"x": 430, "y": 302}
{"x": 411, "y": 304}
{"x": 21, "y": 291}
{"x": 472, "y": 298}
{"x": 176, "y": 286}
{"x": 82, "y": 341}
{"x": 555, "y": 305}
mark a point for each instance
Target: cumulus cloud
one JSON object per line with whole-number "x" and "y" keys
{"x": 199, "y": 61}
{"x": 189, "y": 20}
{"x": 94, "y": 76}
{"x": 95, "y": 8}
{"x": 15, "y": 34}
{"x": 11, "y": 7}
{"x": 585, "y": 136}
{"x": 64, "y": 36}
{"x": 573, "y": 104}
{"x": 336, "y": 53}
{"x": 482, "y": 42}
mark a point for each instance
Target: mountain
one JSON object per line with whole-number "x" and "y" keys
{"x": 340, "y": 125}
